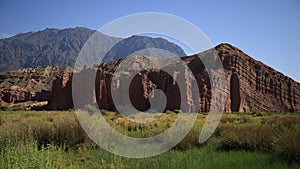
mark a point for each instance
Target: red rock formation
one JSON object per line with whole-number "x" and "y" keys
{"x": 60, "y": 97}
{"x": 255, "y": 86}
{"x": 32, "y": 84}
{"x": 251, "y": 86}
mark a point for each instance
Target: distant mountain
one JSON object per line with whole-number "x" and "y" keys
{"x": 143, "y": 45}
{"x": 60, "y": 47}
{"x": 50, "y": 47}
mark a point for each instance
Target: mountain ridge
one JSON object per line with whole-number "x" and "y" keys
{"x": 140, "y": 43}
{"x": 61, "y": 47}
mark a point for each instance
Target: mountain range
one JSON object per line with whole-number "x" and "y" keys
{"x": 61, "y": 47}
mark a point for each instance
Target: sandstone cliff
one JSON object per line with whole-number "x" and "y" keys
{"x": 251, "y": 86}
{"x": 255, "y": 86}
{"x": 32, "y": 84}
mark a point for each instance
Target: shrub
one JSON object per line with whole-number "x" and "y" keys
{"x": 169, "y": 112}
{"x": 61, "y": 129}
{"x": 2, "y": 118}
{"x": 65, "y": 131}
{"x": 190, "y": 140}
{"x": 287, "y": 145}
{"x": 177, "y": 111}
{"x": 245, "y": 137}
{"x": 282, "y": 122}
{"x": 4, "y": 108}
{"x": 259, "y": 114}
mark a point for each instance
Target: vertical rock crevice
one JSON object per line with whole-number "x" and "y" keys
{"x": 235, "y": 96}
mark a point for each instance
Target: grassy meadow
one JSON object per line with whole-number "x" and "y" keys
{"x": 55, "y": 139}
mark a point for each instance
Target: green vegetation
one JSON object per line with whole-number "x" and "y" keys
{"x": 53, "y": 139}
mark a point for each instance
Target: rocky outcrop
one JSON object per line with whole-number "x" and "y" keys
{"x": 251, "y": 85}
{"x": 60, "y": 95}
{"x": 32, "y": 84}
{"x": 255, "y": 86}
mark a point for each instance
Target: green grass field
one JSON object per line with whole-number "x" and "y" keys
{"x": 54, "y": 139}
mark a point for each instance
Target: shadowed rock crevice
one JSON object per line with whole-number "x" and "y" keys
{"x": 235, "y": 96}
{"x": 169, "y": 86}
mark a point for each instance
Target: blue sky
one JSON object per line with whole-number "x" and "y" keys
{"x": 266, "y": 30}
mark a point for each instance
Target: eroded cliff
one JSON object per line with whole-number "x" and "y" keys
{"x": 250, "y": 85}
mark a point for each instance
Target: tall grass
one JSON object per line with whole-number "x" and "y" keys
{"x": 287, "y": 145}
{"x": 45, "y": 129}
{"x": 56, "y": 140}
{"x": 246, "y": 137}
{"x": 28, "y": 155}
{"x": 275, "y": 134}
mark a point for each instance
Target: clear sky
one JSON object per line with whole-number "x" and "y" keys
{"x": 266, "y": 30}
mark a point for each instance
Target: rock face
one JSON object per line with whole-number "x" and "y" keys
{"x": 251, "y": 86}
{"x": 255, "y": 86}
{"x": 140, "y": 88}
{"x": 60, "y": 95}
{"x": 32, "y": 84}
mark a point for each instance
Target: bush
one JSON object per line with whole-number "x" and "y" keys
{"x": 190, "y": 140}
{"x": 61, "y": 129}
{"x": 282, "y": 122}
{"x": 246, "y": 137}
{"x": 2, "y": 118}
{"x": 177, "y": 111}
{"x": 259, "y": 114}
{"x": 62, "y": 132}
{"x": 4, "y": 108}
{"x": 169, "y": 112}
{"x": 287, "y": 145}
